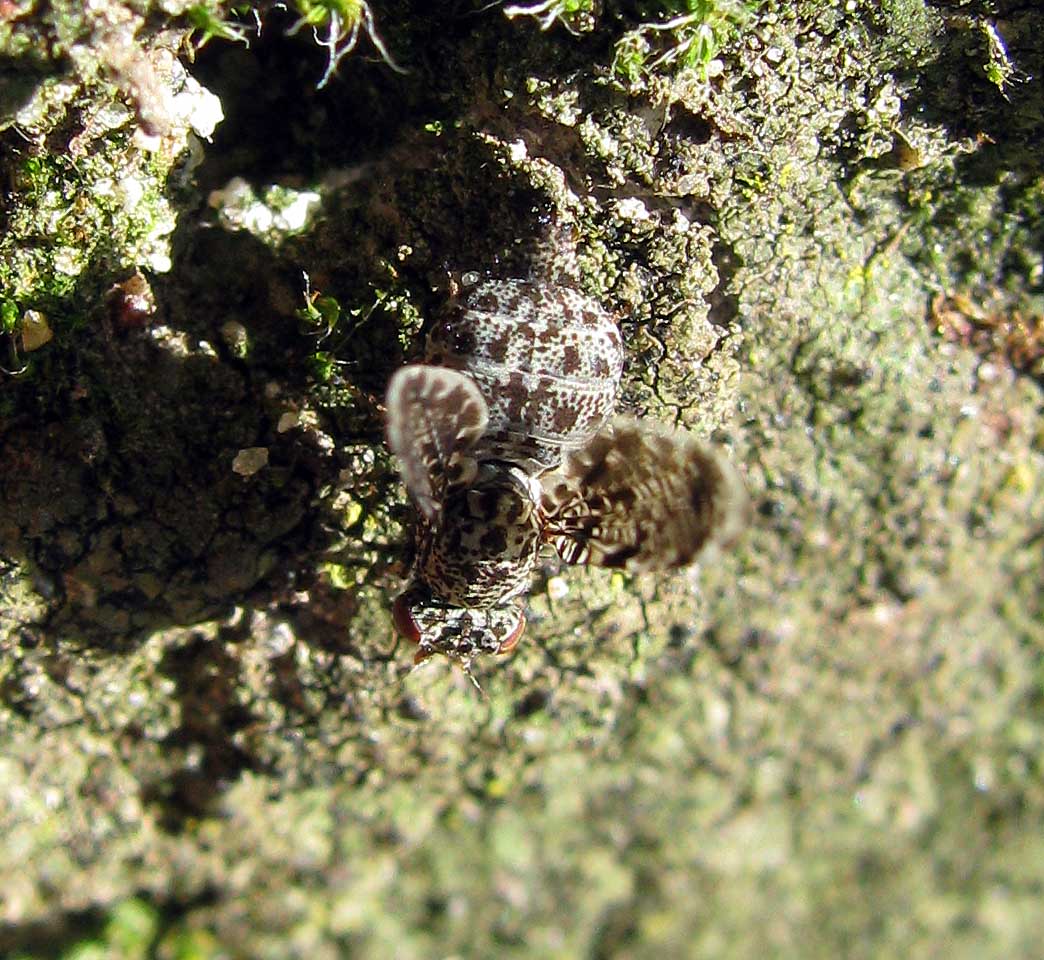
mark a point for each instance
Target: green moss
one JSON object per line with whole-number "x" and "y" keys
{"x": 76, "y": 222}
{"x": 210, "y": 21}
{"x": 337, "y": 26}
{"x": 678, "y": 34}
{"x": 577, "y": 16}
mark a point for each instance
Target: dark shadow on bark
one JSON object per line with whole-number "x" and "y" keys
{"x": 955, "y": 92}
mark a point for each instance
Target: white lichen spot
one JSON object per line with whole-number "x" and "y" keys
{"x": 297, "y": 209}
{"x": 557, "y": 588}
{"x": 239, "y": 208}
{"x": 233, "y": 194}
{"x": 717, "y": 714}
{"x": 288, "y": 421}
{"x": 111, "y": 116}
{"x": 147, "y": 142}
{"x": 631, "y": 208}
{"x": 278, "y": 641}
{"x": 159, "y": 262}
{"x": 517, "y": 151}
{"x": 988, "y": 372}
{"x": 154, "y": 251}
{"x": 599, "y": 140}
{"x": 129, "y": 191}
{"x": 280, "y": 212}
{"x": 257, "y": 218}
{"x": 68, "y": 261}
{"x": 250, "y": 460}
{"x": 888, "y": 104}
{"x": 197, "y": 107}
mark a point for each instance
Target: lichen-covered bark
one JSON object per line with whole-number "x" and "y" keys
{"x": 827, "y": 256}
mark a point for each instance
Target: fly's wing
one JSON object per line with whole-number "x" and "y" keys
{"x": 643, "y": 496}
{"x": 434, "y": 417}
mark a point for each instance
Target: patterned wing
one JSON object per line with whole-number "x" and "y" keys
{"x": 434, "y": 417}
{"x": 643, "y": 496}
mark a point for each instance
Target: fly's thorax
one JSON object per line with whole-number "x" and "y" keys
{"x": 547, "y": 359}
{"x": 483, "y": 549}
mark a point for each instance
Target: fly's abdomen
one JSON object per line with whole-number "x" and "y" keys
{"x": 547, "y": 359}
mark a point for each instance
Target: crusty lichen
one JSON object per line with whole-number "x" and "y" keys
{"x": 842, "y": 719}
{"x": 126, "y": 116}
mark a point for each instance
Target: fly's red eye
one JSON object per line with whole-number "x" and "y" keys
{"x": 405, "y": 625}
{"x": 511, "y": 640}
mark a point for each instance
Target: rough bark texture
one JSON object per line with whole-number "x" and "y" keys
{"x": 828, "y": 255}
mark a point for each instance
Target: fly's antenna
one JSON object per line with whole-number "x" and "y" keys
{"x": 465, "y": 665}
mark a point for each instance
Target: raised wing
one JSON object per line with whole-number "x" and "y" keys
{"x": 434, "y": 417}
{"x": 643, "y": 496}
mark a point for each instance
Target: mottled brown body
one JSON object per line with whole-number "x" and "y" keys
{"x": 482, "y": 551}
{"x": 505, "y": 443}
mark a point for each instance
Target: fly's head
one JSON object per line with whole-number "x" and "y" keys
{"x": 459, "y": 633}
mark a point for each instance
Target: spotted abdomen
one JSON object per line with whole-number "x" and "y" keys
{"x": 546, "y": 358}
